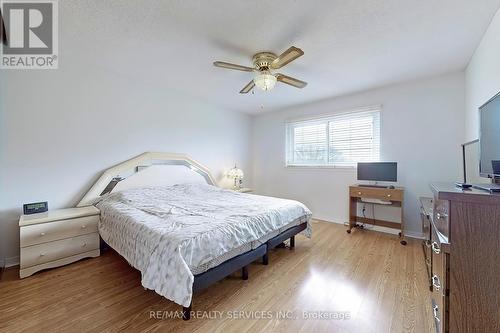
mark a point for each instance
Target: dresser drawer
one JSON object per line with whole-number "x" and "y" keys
{"x": 441, "y": 217}
{"x": 377, "y": 193}
{"x": 437, "y": 314}
{"x": 46, "y": 252}
{"x": 438, "y": 264}
{"x": 51, "y": 231}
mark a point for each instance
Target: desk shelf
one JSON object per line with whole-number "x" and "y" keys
{"x": 392, "y": 204}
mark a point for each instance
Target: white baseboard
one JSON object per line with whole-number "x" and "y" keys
{"x": 319, "y": 218}
{"x": 410, "y": 234}
{"x": 414, "y": 234}
{"x": 10, "y": 262}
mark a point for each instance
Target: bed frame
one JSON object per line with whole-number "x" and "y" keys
{"x": 203, "y": 280}
{"x": 175, "y": 168}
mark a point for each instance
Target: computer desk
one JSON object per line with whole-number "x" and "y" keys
{"x": 394, "y": 195}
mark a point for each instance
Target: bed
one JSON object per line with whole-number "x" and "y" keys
{"x": 165, "y": 215}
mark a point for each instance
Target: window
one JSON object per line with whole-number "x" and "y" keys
{"x": 338, "y": 140}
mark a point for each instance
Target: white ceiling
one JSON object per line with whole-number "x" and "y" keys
{"x": 349, "y": 45}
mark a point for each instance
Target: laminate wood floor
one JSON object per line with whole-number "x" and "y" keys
{"x": 334, "y": 282}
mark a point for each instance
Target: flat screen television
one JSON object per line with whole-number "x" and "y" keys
{"x": 378, "y": 171}
{"x": 489, "y": 138}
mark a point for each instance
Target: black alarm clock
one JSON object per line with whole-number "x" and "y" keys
{"x": 35, "y": 207}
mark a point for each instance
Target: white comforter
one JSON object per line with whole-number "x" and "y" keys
{"x": 162, "y": 231}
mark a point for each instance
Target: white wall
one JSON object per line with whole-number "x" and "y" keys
{"x": 422, "y": 125}
{"x": 482, "y": 81}
{"x": 482, "y": 76}
{"x": 60, "y": 129}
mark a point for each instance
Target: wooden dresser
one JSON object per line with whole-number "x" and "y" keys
{"x": 465, "y": 243}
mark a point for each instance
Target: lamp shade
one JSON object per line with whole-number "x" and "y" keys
{"x": 235, "y": 173}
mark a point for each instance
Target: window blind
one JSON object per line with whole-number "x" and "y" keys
{"x": 341, "y": 139}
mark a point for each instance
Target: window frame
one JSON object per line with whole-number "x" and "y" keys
{"x": 325, "y": 118}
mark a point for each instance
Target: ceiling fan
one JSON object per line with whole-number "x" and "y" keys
{"x": 264, "y": 65}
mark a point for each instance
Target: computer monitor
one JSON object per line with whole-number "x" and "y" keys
{"x": 378, "y": 171}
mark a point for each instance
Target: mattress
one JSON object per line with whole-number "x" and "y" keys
{"x": 171, "y": 233}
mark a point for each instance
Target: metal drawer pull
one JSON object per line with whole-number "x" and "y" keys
{"x": 388, "y": 195}
{"x": 435, "y": 248}
{"x": 84, "y": 244}
{"x": 435, "y": 311}
{"x": 359, "y": 193}
{"x": 441, "y": 216}
{"x": 84, "y": 226}
{"x": 436, "y": 283}
{"x": 42, "y": 254}
{"x": 42, "y": 234}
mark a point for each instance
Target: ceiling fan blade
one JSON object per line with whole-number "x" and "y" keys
{"x": 286, "y": 57}
{"x": 248, "y": 87}
{"x": 228, "y": 65}
{"x": 291, "y": 81}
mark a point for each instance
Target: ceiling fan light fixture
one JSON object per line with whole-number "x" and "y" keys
{"x": 265, "y": 81}
{"x": 264, "y": 64}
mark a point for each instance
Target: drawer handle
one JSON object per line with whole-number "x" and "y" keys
{"x": 42, "y": 234}
{"x": 42, "y": 254}
{"x": 435, "y": 248}
{"x": 84, "y": 226}
{"x": 359, "y": 193}
{"x": 435, "y": 282}
{"x": 435, "y": 312}
{"x": 388, "y": 195}
{"x": 84, "y": 244}
{"x": 441, "y": 216}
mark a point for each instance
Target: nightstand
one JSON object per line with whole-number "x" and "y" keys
{"x": 243, "y": 190}
{"x": 57, "y": 238}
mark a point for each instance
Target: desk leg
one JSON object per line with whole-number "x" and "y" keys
{"x": 353, "y": 205}
{"x": 402, "y": 239}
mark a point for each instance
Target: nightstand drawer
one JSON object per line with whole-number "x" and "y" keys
{"x": 51, "y": 231}
{"x": 42, "y": 253}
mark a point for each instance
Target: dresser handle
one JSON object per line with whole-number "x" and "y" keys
{"x": 435, "y": 282}
{"x": 84, "y": 226}
{"x": 435, "y": 310}
{"x": 84, "y": 244}
{"x": 359, "y": 193}
{"x": 435, "y": 248}
{"x": 388, "y": 195}
{"x": 441, "y": 216}
{"x": 42, "y": 254}
{"x": 42, "y": 234}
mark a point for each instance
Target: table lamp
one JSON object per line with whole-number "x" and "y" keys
{"x": 237, "y": 175}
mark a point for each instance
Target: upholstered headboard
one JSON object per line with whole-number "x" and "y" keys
{"x": 149, "y": 168}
